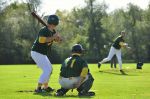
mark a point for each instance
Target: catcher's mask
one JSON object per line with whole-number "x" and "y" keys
{"x": 53, "y": 19}
{"x": 77, "y": 48}
{"x": 139, "y": 65}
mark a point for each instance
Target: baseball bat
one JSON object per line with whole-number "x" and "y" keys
{"x": 38, "y": 18}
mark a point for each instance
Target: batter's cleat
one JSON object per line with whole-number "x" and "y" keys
{"x": 99, "y": 65}
{"x": 48, "y": 89}
{"x": 39, "y": 90}
{"x": 122, "y": 72}
{"x": 90, "y": 93}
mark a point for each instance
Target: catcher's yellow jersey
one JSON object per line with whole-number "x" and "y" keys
{"x": 72, "y": 66}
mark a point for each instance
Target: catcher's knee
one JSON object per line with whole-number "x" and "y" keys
{"x": 86, "y": 86}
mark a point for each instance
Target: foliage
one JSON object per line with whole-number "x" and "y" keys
{"x": 90, "y": 25}
{"x": 17, "y": 34}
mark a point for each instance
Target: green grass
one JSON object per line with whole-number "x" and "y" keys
{"x": 18, "y": 82}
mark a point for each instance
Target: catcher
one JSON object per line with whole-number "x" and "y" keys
{"x": 39, "y": 51}
{"x": 74, "y": 73}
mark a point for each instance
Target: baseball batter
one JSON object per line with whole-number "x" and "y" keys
{"x": 75, "y": 74}
{"x": 116, "y": 50}
{"x": 39, "y": 50}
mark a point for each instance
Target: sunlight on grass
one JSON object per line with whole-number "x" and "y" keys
{"x": 19, "y": 82}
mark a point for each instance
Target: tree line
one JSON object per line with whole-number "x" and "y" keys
{"x": 90, "y": 26}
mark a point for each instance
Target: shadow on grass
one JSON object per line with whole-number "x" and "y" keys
{"x": 24, "y": 91}
{"x": 109, "y": 72}
{"x": 73, "y": 96}
{"x": 44, "y": 94}
{"x": 126, "y": 73}
{"x": 31, "y": 91}
{"x": 65, "y": 97}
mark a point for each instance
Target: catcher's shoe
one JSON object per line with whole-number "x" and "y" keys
{"x": 99, "y": 65}
{"x": 48, "y": 89}
{"x": 59, "y": 93}
{"x": 90, "y": 93}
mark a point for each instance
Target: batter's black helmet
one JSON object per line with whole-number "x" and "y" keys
{"x": 53, "y": 19}
{"x": 77, "y": 48}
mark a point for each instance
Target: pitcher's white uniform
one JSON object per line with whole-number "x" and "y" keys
{"x": 116, "y": 50}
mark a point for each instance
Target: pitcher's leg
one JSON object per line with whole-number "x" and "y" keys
{"x": 109, "y": 57}
{"x": 118, "y": 54}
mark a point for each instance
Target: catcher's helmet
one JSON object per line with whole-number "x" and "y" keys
{"x": 53, "y": 19}
{"x": 77, "y": 48}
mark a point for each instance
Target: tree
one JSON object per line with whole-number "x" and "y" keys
{"x": 134, "y": 15}
{"x": 96, "y": 36}
{"x": 17, "y": 30}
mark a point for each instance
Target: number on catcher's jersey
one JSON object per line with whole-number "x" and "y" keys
{"x": 72, "y": 63}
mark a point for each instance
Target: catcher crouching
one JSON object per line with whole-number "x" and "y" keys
{"x": 74, "y": 73}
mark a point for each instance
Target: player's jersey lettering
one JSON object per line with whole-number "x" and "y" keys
{"x": 72, "y": 67}
{"x": 72, "y": 63}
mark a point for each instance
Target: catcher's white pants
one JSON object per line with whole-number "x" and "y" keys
{"x": 68, "y": 83}
{"x": 113, "y": 52}
{"x": 42, "y": 62}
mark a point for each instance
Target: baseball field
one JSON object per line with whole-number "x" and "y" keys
{"x": 19, "y": 82}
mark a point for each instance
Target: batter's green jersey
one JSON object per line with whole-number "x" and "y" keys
{"x": 117, "y": 41}
{"x": 72, "y": 66}
{"x": 42, "y": 47}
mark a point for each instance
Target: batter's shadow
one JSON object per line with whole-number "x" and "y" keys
{"x": 44, "y": 94}
{"x": 31, "y": 91}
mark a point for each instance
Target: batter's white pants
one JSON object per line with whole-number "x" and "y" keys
{"x": 68, "y": 83}
{"x": 42, "y": 62}
{"x": 113, "y": 52}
